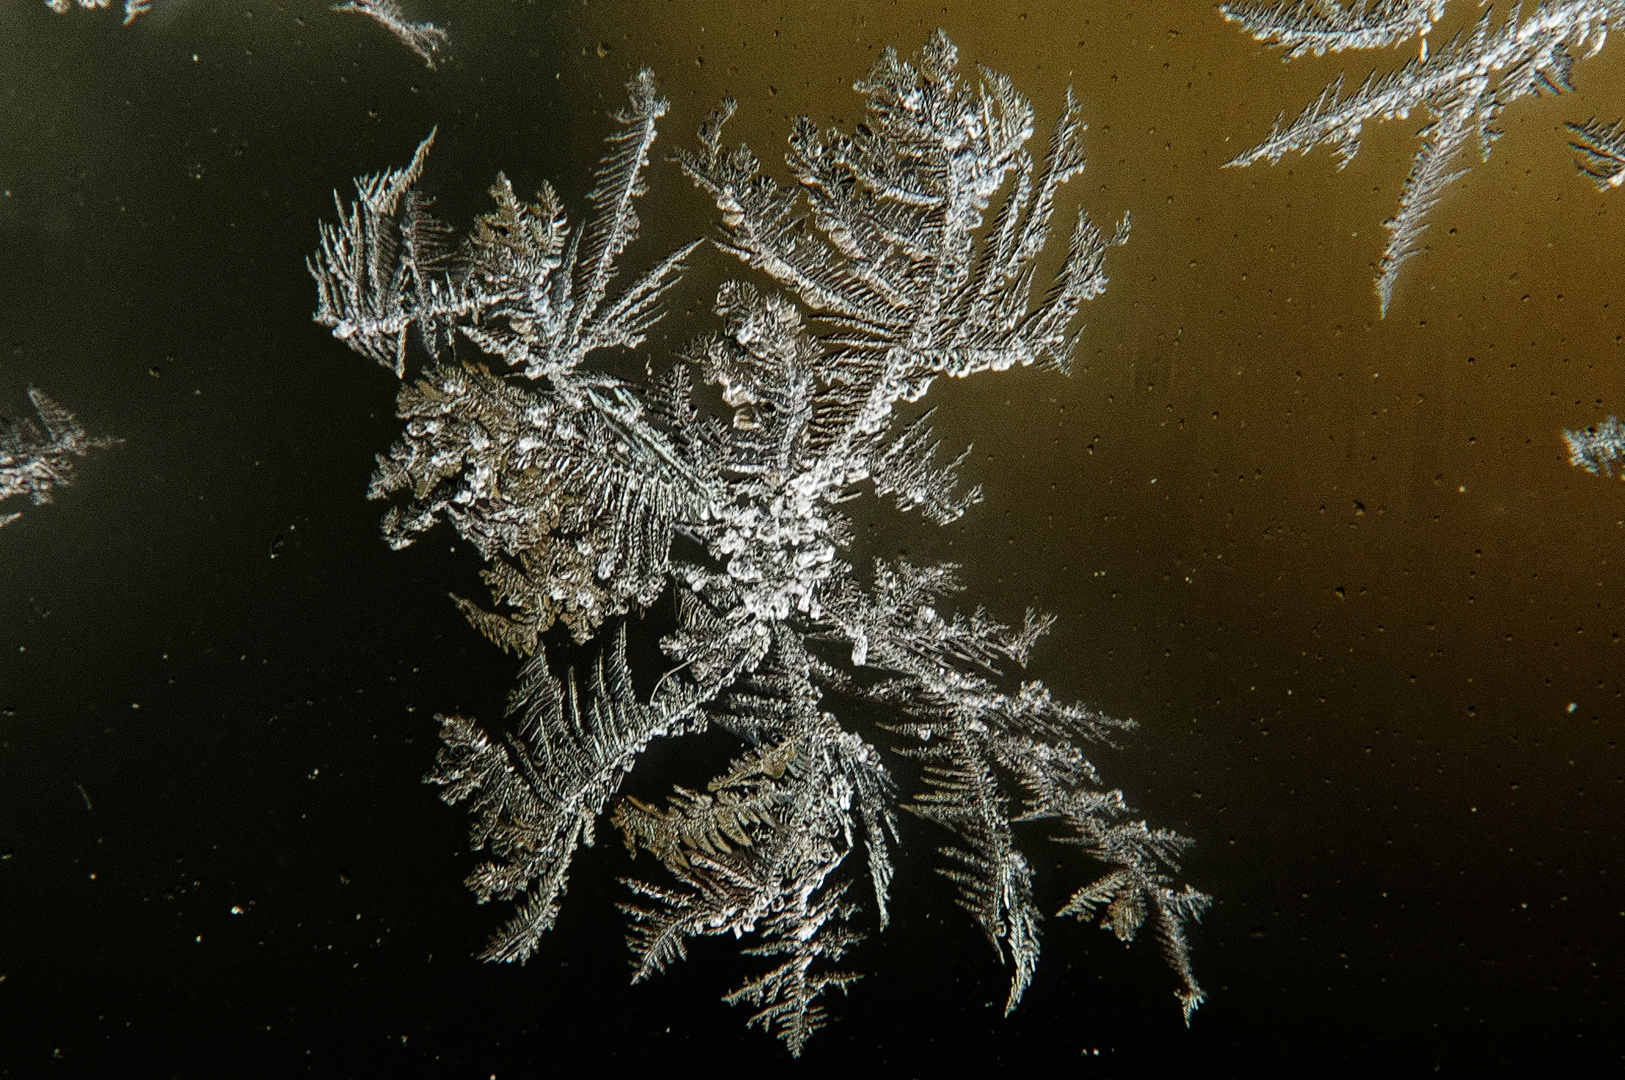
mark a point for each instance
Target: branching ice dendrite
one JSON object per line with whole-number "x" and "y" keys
{"x": 538, "y": 795}
{"x": 906, "y": 250}
{"x": 423, "y": 38}
{"x": 1463, "y": 86}
{"x": 1601, "y": 151}
{"x": 36, "y": 457}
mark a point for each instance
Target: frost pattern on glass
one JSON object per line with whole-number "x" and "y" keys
{"x": 592, "y": 496}
{"x": 38, "y": 456}
{"x": 1599, "y": 449}
{"x": 423, "y": 38}
{"x": 1463, "y": 86}
{"x": 133, "y": 9}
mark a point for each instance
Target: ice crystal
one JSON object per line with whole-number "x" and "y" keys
{"x": 1323, "y": 26}
{"x": 1463, "y": 86}
{"x": 423, "y": 38}
{"x": 133, "y": 9}
{"x": 1598, "y": 449}
{"x": 905, "y": 250}
{"x": 36, "y": 457}
{"x": 1600, "y": 151}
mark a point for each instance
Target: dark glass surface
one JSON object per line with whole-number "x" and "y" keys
{"x": 1338, "y": 568}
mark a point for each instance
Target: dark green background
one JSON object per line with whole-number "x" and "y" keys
{"x": 1338, "y": 568}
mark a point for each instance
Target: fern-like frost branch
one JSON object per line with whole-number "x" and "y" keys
{"x": 36, "y": 457}
{"x": 1463, "y": 86}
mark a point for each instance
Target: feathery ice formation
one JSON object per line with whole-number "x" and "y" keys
{"x": 903, "y": 252}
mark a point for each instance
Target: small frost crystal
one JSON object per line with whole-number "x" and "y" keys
{"x": 904, "y": 251}
{"x": 1599, "y": 449}
{"x": 1463, "y": 86}
{"x": 423, "y": 38}
{"x": 36, "y": 457}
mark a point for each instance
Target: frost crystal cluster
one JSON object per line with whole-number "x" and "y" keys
{"x": 904, "y": 251}
{"x": 1600, "y": 449}
{"x": 1462, "y": 86}
{"x": 36, "y": 457}
{"x": 133, "y": 9}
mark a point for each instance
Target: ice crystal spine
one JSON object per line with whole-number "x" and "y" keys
{"x": 36, "y": 457}
{"x": 1599, "y": 449}
{"x": 1463, "y": 86}
{"x": 423, "y": 38}
{"x": 905, "y": 250}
